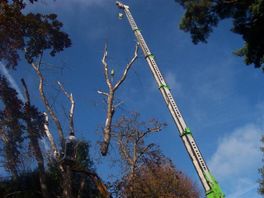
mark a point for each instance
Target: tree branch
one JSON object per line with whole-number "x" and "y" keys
{"x": 46, "y": 102}
{"x": 26, "y": 91}
{"x": 50, "y": 136}
{"x": 148, "y": 131}
{"x": 231, "y": 1}
{"x": 124, "y": 151}
{"x": 145, "y": 150}
{"x": 127, "y": 68}
{"x": 103, "y": 93}
{"x": 117, "y": 105}
{"x": 106, "y": 74}
{"x": 71, "y": 113}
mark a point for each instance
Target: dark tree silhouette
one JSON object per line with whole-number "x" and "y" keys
{"x": 34, "y": 121}
{"x": 202, "y": 16}
{"x": 31, "y": 33}
{"x": 11, "y": 127}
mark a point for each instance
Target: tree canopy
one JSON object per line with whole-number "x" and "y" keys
{"x": 30, "y": 33}
{"x": 157, "y": 179}
{"x": 201, "y": 16}
{"x": 23, "y": 127}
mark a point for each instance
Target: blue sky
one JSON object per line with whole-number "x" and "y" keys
{"x": 219, "y": 97}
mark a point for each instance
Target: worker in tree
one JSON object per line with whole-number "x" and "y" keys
{"x": 70, "y": 149}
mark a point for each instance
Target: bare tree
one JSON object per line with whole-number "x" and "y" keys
{"x": 147, "y": 172}
{"x": 65, "y": 170}
{"x": 112, "y": 88}
{"x": 131, "y": 134}
{"x": 67, "y": 191}
{"x": 66, "y": 167}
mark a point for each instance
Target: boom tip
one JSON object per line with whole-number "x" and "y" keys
{"x": 121, "y": 5}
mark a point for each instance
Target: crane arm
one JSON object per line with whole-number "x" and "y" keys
{"x": 210, "y": 185}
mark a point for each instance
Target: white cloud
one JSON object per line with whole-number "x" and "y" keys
{"x": 237, "y": 159}
{"x": 66, "y": 5}
{"x": 89, "y": 2}
{"x": 85, "y": 3}
{"x": 172, "y": 82}
{"x": 11, "y": 80}
{"x": 237, "y": 152}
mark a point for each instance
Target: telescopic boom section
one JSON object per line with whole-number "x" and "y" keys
{"x": 210, "y": 185}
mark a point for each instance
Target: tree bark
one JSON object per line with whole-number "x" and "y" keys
{"x": 108, "y": 123}
{"x": 47, "y": 105}
{"x": 66, "y": 184}
{"x": 110, "y": 97}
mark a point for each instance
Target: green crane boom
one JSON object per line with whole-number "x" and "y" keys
{"x": 209, "y": 183}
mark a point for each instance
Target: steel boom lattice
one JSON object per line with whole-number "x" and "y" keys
{"x": 210, "y": 185}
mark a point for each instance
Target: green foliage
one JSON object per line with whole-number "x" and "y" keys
{"x": 84, "y": 186}
{"x": 25, "y": 186}
{"x": 81, "y": 182}
{"x": 35, "y": 121}
{"x": 82, "y": 155}
{"x": 201, "y": 16}
{"x": 30, "y": 33}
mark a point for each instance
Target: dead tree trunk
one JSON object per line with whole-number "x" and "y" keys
{"x": 46, "y": 102}
{"x": 112, "y": 88}
{"x": 108, "y": 123}
{"x": 67, "y": 183}
{"x": 55, "y": 152}
{"x": 82, "y": 184}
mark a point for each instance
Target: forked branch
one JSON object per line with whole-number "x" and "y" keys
{"x": 110, "y": 96}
